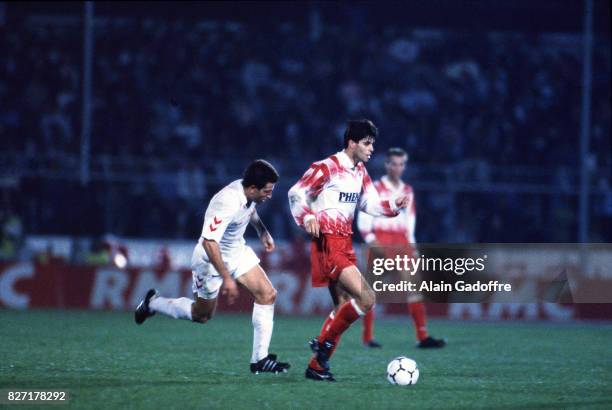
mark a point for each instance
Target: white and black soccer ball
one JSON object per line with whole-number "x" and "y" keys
{"x": 402, "y": 371}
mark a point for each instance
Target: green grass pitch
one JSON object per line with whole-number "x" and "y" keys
{"x": 105, "y": 361}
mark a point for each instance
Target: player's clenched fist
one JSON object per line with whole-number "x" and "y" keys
{"x": 267, "y": 241}
{"x": 403, "y": 201}
{"x": 230, "y": 289}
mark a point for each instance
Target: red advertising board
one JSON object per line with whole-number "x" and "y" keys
{"x": 60, "y": 285}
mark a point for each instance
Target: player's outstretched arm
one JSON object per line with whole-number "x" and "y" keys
{"x": 370, "y": 201}
{"x": 230, "y": 288}
{"x": 262, "y": 232}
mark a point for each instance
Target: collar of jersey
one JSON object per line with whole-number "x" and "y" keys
{"x": 345, "y": 161}
{"x": 385, "y": 180}
{"x": 243, "y": 199}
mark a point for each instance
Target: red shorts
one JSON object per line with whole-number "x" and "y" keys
{"x": 330, "y": 255}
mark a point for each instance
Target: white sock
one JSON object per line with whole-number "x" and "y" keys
{"x": 263, "y": 323}
{"x": 177, "y": 308}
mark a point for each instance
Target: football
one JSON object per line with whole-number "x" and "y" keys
{"x": 402, "y": 371}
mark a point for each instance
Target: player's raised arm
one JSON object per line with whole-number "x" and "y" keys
{"x": 262, "y": 232}
{"x": 371, "y": 203}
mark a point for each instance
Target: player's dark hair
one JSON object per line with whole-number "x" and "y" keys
{"x": 356, "y": 130}
{"x": 396, "y": 152}
{"x": 259, "y": 173}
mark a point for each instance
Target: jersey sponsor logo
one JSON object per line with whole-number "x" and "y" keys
{"x": 349, "y": 196}
{"x": 213, "y": 226}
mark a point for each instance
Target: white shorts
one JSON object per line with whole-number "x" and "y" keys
{"x": 207, "y": 281}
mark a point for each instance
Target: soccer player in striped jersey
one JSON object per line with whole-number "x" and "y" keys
{"x": 396, "y": 232}
{"x": 221, "y": 258}
{"x": 323, "y": 202}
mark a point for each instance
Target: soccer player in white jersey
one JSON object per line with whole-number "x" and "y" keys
{"x": 323, "y": 202}
{"x": 398, "y": 234}
{"x": 221, "y": 258}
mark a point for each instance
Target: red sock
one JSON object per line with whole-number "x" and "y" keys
{"x": 327, "y": 322}
{"x": 345, "y": 316}
{"x": 325, "y": 328}
{"x": 417, "y": 311}
{"x": 368, "y": 326}
{"x": 313, "y": 360}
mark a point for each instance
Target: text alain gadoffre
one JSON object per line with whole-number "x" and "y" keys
{"x": 412, "y": 265}
{"x": 431, "y": 286}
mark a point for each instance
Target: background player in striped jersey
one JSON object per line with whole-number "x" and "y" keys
{"x": 323, "y": 201}
{"x": 396, "y": 232}
{"x": 221, "y": 258}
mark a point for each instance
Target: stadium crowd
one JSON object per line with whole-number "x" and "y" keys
{"x": 189, "y": 96}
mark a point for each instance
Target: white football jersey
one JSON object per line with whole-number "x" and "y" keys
{"x": 226, "y": 219}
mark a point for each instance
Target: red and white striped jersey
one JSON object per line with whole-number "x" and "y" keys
{"x": 330, "y": 190}
{"x": 384, "y": 229}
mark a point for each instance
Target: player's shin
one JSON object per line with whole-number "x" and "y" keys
{"x": 177, "y": 308}
{"x": 348, "y": 313}
{"x": 328, "y": 321}
{"x": 368, "y": 327}
{"x": 263, "y": 324}
{"x": 417, "y": 312}
{"x": 328, "y": 340}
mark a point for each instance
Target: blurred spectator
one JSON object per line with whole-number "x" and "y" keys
{"x": 48, "y": 256}
{"x": 97, "y": 254}
{"x": 164, "y": 260}
{"x": 174, "y": 100}
{"x": 12, "y": 238}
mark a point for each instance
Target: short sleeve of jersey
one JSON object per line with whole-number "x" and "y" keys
{"x": 219, "y": 215}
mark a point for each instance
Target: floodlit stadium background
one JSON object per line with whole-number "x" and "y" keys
{"x": 119, "y": 121}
